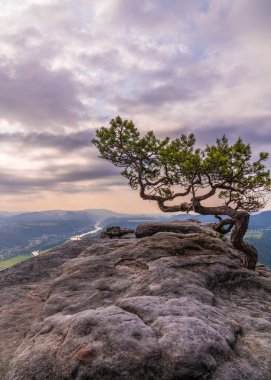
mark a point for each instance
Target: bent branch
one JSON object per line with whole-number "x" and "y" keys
{"x": 239, "y": 220}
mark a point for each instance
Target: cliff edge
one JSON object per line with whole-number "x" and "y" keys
{"x": 173, "y": 303}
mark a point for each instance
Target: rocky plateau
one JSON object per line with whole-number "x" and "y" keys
{"x": 169, "y": 302}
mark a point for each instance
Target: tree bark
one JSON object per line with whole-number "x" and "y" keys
{"x": 240, "y": 221}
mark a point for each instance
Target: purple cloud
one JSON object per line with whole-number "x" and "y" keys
{"x": 35, "y": 95}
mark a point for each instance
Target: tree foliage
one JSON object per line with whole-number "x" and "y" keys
{"x": 180, "y": 177}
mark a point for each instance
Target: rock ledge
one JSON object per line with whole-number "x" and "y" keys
{"x": 174, "y": 304}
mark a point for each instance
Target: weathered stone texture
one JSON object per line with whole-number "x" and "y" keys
{"x": 171, "y": 305}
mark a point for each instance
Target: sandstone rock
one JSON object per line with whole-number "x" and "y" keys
{"x": 173, "y": 305}
{"x": 116, "y": 232}
{"x": 184, "y": 227}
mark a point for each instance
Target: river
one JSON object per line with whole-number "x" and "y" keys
{"x": 97, "y": 228}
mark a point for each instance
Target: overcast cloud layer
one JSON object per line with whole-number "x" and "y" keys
{"x": 68, "y": 67}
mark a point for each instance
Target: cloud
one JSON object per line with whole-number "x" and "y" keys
{"x": 174, "y": 66}
{"x": 253, "y": 131}
{"x": 65, "y": 179}
{"x": 64, "y": 142}
{"x": 35, "y": 95}
{"x": 157, "y": 15}
{"x": 173, "y": 88}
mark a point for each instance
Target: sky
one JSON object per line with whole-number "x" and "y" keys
{"x": 173, "y": 66}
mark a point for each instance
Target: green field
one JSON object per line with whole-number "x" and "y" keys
{"x": 22, "y": 257}
{"x": 13, "y": 260}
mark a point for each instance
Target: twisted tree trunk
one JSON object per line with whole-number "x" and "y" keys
{"x": 239, "y": 221}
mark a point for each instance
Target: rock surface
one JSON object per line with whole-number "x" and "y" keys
{"x": 174, "y": 305}
{"x": 151, "y": 228}
{"x": 116, "y": 232}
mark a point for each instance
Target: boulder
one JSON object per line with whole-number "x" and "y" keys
{"x": 173, "y": 305}
{"x": 115, "y": 232}
{"x": 184, "y": 227}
